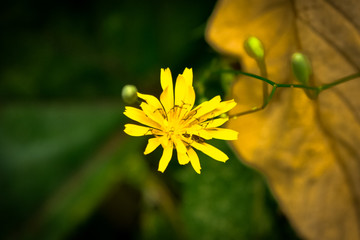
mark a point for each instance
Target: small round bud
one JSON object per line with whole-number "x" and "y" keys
{"x": 254, "y": 48}
{"x": 301, "y": 67}
{"x": 129, "y": 94}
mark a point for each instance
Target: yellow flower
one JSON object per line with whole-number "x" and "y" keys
{"x": 174, "y": 124}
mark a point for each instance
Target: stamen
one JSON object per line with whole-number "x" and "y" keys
{"x": 186, "y": 135}
{"x": 190, "y": 115}
{"x": 184, "y": 103}
{"x": 197, "y": 139}
{"x": 149, "y": 130}
{"x": 207, "y": 123}
{"x": 162, "y": 112}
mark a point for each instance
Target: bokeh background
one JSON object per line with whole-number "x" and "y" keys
{"x": 68, "y": 171}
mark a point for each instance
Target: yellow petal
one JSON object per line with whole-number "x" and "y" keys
{"x": 223, "y": 133}
{"x": 167, "y": 96}
{"x": 180, "y": 90}
{"x": 203, "y": 133}
{"x": 155, "y": 114}
{"x": 184, "y": 94}
{"x": 190, "y": 97}
{"x": 188, "y": 75}
{"x": 221, "y": 108}
{"x": 213, "y": 123}
{"x": 211, "y": 151}
{"x": 183, "y": 158}
{"x": 190, "y": 93}
{"x": 167, "y": 99}
{"x": 166, "y": 78}
{"x": 140, "y": 116}
{"x": 196, "y": 115}
{"x": 165, "y": 158}
{"x": 224, "y": 107}
{"x": 179, "y": 145}
{"x": 164, "y": 141}
{"x": 153, "y": 143}
{"x": 194, "y": 159}
{"x": 151, "y": 100}
{"x": 208, "y": 106}
{"x": 136, "y": 130}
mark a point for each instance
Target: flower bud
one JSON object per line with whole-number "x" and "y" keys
{"x": 129, "y": 94}
{"x": 254, "y": 48}
{"x": 301, "y": 67}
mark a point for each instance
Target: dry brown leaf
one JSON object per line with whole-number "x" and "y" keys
{"x": 309, "y": 150}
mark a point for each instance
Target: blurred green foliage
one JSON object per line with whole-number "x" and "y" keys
{"x": 87, "y": 49}
{"x": 67, "y": 170}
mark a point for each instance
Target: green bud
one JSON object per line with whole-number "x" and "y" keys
{"x": 129, "y": 94}
{"x": 254, "y": 48}
{"x": 301, "y": 67}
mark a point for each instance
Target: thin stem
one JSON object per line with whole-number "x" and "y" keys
{"x": 341, "y": 80}
{"x": 270, "y": 96}
{"x": 267, "y": 98}
{"x": 263, "y": 72}
{"x": 249, "y": 75}
{"x": 255, "y": 109}
{"x": 285, "y": 85}
{"x": 290, "y": 85}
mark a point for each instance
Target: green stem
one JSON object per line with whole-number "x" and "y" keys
{"x": 297, "y": 86}
{"x": 270, "y": 96}
{"x": 341, "y": 80}
{"x": 263, "y": 73}
{"x": 248, "y": 74}
{"x": 285, "y": 85}
{"x": 275, "y": 86}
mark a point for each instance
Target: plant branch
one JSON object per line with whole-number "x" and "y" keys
{"x": 267, "y": 98}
